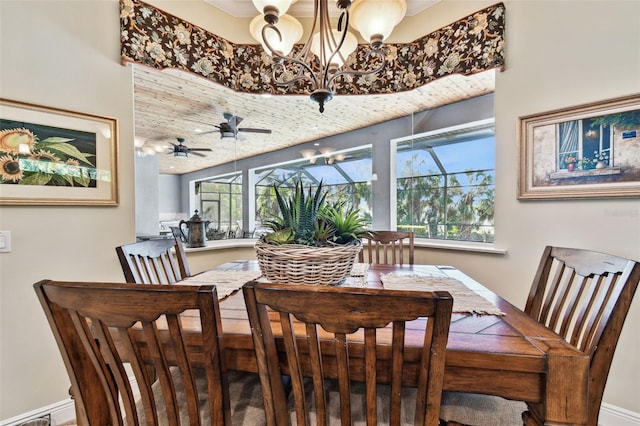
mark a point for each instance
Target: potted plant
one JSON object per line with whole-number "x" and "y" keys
{"x": 311, "y": 241}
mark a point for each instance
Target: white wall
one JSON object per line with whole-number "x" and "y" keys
{"x": 62, "y": 54}
{"x": 147, "y": 195}
{"x": 169, "y": 187}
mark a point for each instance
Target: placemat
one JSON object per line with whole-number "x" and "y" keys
{"x": 226, "y": 282}
{"x": 359, "y": 269}
{"x": 351, "y": 281}
{"x": 465, "y": 300}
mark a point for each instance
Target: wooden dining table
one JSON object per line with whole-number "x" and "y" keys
{"x": 509, "y": 355}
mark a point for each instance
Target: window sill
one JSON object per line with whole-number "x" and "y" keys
{"x": 565, "y": 174}
{"x": 419, "y": 242}
{"x": 224, "y": 244}
{"x": 459, "y": 246}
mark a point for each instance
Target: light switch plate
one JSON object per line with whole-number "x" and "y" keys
{"x": 5, "y": 241}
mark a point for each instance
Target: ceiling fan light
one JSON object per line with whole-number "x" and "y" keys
{"x": 375, "y": 19}
{"x": 180, "y": 154}
{"x": 227, "y": 135}
{"x": 330, "y": 43}
{"x": 290, "y": 29}
{"x": 139, "y": 142}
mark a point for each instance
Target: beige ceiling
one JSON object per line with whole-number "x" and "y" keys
{"x": 174, "y": 104}
{"x": 301, "y": 8}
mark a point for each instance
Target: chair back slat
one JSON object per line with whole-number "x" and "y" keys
{"x": 572, "y": 306}
{"x": 315, "y": 359}
{"x": 161, "y": 261}
{"x": 371, "y": 375}
{"x": 387, "y": 248}
{"x": 132, "y": 329}
{"x": 584, "y": 296}
{"x": 316, "y": 322}
{"x": 344, "y": 385}
{"x": 397, "y": 347}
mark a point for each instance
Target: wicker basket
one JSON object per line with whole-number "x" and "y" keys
{"x": 300, "y": 264}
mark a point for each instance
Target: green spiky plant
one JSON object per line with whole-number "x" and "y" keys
{"x": 307, "y": 220}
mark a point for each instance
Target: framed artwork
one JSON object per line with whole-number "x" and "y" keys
{"x": 587, "y": 151}
{"x": 50, "y": 156}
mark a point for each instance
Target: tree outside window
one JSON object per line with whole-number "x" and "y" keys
{"x": 345, "y": 175}
{"x": 445, "y": 184}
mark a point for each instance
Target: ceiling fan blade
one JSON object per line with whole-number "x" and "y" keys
{"x": 249, "y": 129}
{"x": 195, "y": 121}
{"x": 232, "y": 119}
{"x": 197, "y": 153}
{"x": 199, "y": 149}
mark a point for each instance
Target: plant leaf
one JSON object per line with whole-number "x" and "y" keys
{"x": 53, "y": 140}
{"x": 82, "y": 180}
{"x": 70, "y": 151}
{"x": 36, "y": 179}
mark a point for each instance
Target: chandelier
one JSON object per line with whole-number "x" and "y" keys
{"x": 323, "y": 58}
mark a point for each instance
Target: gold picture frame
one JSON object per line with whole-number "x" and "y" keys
{"x": 587, "y": 151}
{"x": 52, "y": 156}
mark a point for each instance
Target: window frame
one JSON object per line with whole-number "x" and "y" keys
{"x": 393, "y": 186}
{"x": 298, "y": 167}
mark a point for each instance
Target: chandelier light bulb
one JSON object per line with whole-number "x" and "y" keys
{"x": 330, "y": 42}
{"x": 375, "y": 19}
{"x": 290, "y": 29}
{"x": 327, "y": 151}
{"x": 309, "y": 154}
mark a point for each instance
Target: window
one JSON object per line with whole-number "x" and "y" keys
{"x": 345, "y": 174}
{"x": 445, "y": 183}
{"x": 582, "y": 144}
{"x": 220, "y": 201}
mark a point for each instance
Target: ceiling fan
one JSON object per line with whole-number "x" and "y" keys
{"x": 182, "y": 150}
{"x": 230, "y": 129}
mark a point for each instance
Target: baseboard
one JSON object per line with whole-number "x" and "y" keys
{"x": 610, "y": 415}
{"x": 61, "y": 412}
{"x": 64, "y": 411}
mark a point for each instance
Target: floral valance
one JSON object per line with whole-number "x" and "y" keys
{"x": 155, "y": 38}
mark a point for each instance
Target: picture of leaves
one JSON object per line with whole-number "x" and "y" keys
{"x": 32, "y": 154}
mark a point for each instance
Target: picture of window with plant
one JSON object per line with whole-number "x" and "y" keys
{"x": 591, "y": 150}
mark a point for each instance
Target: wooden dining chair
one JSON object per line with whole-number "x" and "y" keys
{"x": 317, "y": 322}
{"x": 387, "y": 247}
{"x": 582, "y": 295}
{"x": 105, "y": 330}
{"x": 161, "y": 261}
